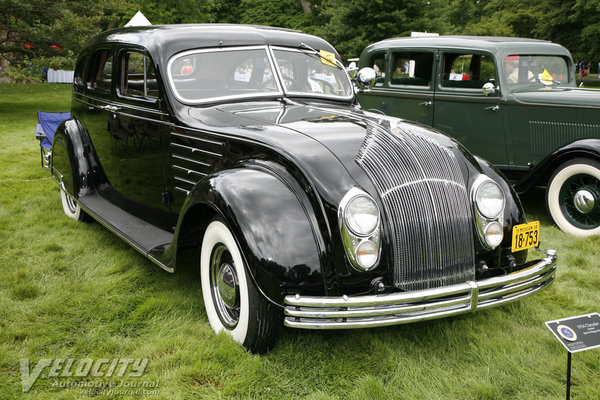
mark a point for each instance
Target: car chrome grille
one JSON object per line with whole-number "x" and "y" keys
{"x": 426, "y": 206}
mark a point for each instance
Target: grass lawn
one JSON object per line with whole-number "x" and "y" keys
{"x": 75, "y": 290}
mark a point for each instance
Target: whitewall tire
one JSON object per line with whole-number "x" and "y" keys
{"x": 72, "y": 208}
{"x": 573, "y": 197}
{"x": 233, "y": 305}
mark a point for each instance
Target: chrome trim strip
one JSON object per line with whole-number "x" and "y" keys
{"x": 184, "y": 180}
{"x": 182, "y": 190}
{"x": 177, "y": 156}
{"x": 122, "y": 105}
{"x": 197, "y": 150}
{"x": 188, "y": 171}
{"x": 311, "y": 312}
{"x": 181, "y": 135}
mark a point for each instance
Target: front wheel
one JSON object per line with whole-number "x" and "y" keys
{"x": 573, "y": 197}
{"x": 232, "y": 302}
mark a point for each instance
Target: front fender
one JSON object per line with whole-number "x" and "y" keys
{"x": 539, "y": 175}
{"x": 274, "y": 225}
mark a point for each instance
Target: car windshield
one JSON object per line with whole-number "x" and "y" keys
{"x": 540, "y": 69}
{"x": 204, "y": 76}
{"x": 310, "y": 73}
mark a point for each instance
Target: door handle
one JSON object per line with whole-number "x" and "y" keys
{"x": 109, "y": 108}
{"x": 427, "y": 103}
{"x": 493, "y": 108}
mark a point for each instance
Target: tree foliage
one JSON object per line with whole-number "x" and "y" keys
{"x": 49, "y": 28}
{"x": 28, "y": 28}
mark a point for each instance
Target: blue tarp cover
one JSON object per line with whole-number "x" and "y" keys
{"x": 48, "y": 122}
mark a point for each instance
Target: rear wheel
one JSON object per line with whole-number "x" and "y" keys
{"x": 573, "y": 197}
{"x": 72, "y": 208}
{"x": 232, "y": 302}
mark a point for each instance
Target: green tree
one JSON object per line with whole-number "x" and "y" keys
{"x": 352, "y": 24}
{"x": 186, "y": 11}
{"x": 586, "y": 16}
{"x": 30, "y": 28}
{"x": 282, "y": 13}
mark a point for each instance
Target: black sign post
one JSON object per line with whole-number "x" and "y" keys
{"x": 576, "y": 334}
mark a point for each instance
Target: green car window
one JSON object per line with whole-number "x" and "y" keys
{"x": 467, "y": 70}
{"x": 412, "y": 68}
{"x": 378, "y": 63}
{"x": 524, "y": 69}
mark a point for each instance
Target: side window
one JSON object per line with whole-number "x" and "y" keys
{"x": 412, "y": 68}
{"x": 378, "y": 63}
{"x": 102, "y": 70}
{"x": 79, "y": 78}
{"x": 468, "y": 71}
{"x": 138, "y": 77}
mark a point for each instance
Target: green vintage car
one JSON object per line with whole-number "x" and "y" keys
{"x": 511, "y": 101}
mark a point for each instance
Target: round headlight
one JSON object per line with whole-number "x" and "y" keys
{"x": 366, "y": 254}
{"x": 362, "y": 215}
{"x": 493, "y": 234}
{"x": 489, "y": 199}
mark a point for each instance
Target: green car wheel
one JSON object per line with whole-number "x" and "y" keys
{"x": 573, "y": 197}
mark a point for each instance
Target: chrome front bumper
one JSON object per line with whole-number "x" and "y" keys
{"x": 310, "y": 312}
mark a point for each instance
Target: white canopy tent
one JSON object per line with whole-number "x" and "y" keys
{"x": 138, "y": 20}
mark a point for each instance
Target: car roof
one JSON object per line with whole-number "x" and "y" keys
{"x": 494, "y": 44}
{"x": 166, "y": 40}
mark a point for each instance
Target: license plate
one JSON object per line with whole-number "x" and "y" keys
{"x": 525, "y": 236}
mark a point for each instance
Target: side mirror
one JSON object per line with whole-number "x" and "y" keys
{"x": 352, "y": 69}
{"x": 366, "y": 78}
{"x": 488, "y": 89}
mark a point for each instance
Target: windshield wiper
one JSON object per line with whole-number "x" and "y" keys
{"x": 338, "y": 62}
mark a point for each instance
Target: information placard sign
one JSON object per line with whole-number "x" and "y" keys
{"x": 577, "y": 333}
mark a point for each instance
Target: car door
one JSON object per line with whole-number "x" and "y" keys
{"x": 138, "y": 128}
{"x": 406, "y": 88}
{"x": 463, "y": 111}
{"x": 94, "y": 105}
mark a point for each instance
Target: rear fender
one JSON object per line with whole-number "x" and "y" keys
{"x": 74, "y": 165}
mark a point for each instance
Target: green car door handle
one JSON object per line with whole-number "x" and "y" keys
{"x": 493, "y": 108}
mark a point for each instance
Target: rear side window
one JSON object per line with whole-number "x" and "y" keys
{"x": 102, "y": 70}
{"x": 379, "y": 64}
{"x": 412, "y": 68}
{"x": 138, "y": 76}
{"x": 79, "y": 78}
{"x": 467, "y": 71}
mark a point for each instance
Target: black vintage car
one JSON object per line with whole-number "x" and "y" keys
{"x": 248, "y": 142}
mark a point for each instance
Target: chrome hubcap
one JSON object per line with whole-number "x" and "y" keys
{"x": 224, "y": 286}
{"x": 577, "y": 200}
{"x": 584, "y": 201}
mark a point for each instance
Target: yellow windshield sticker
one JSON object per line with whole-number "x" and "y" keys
{"x": 545, "y": 77}
{"x": 327, "y": 58}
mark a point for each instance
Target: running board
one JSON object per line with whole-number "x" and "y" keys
{"x": 140, "y": 234}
